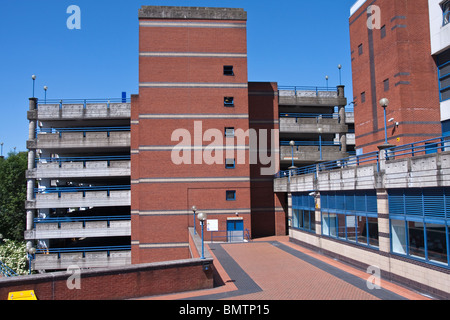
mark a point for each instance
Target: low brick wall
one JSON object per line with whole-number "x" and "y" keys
{"x": 116, "y": 283}
{"x": 126, "y": 282}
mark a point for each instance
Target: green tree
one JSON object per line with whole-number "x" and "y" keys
{"x": 13, "y": 188}
{"x": 14, "y": 255}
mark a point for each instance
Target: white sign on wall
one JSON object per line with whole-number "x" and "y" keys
{"x": 212, "y": 225}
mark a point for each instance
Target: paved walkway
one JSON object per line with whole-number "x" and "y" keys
{"x": 275, "y": 269}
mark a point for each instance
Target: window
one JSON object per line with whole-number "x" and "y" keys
{"x": 446, "y": 12}
{"x": 304, "y": 212}
{"x": 419, "y": 221}
{"x": 228, "y": 102}
{"x": 360, "y": 49}
{"x": 230, "y": 163}
{"x": 386, "y": 85}
{"x": 228, "y": 71}
{"x": 229, "y": 132}
{"x": 443, "y": 62}
{"x": 350, "y": 216}
{"x": 231, "y": 195}
{"x": 398, "y": 236}
{"x": 383, "y": 31}
{"x": 363, "y": 97}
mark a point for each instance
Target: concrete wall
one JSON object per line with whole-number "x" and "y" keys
{"x": 79, "y": 112}
{"x": 78, "y": 169}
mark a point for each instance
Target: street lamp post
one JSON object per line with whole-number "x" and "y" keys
{"x": 194, "y": 209}
{"x": 202, "y": 218}
{"x": 31, "y": 253}
{"x": 45, "y": 92}
{"x": 384, "y": 103}
{"x": 340, "y": 76}
{"x": 34, "y": 79}
{"x": 320, "y": 130}
{"x": 292, "y": 144}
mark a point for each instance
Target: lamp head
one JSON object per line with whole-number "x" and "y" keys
{"x": 384, "y": 102}
{"x": 202, "y": 216}
{"x": 292, "y": 143}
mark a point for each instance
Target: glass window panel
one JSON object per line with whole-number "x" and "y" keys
{"x": 333, "y": 225}
{"x": 398, "y": 234}
{"x": 306, "y": 218}
{"x": 295, "y": 218}
{"x": 313, "y": 220}
{"x": 436, "y": 243}
{"x": 416, "y": 239}
{"x": 341, "y": 226}
{"x": 300, "y": 218}
{"x": 361, "y": 229}
{"x": 350, "y": 221}
{"x": 325, "y": 228}
{"x": 373, "y": 231}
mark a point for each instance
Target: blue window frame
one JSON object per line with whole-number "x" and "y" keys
{"x": 228, "y": 101}
{"x": 419, "y": 224}
{"x": 443, "y": 63}
{"x": 230, "y": 195}
{"x": 351, "y": 216}
{"x": 304, "y": 212}
{"x": 445, "y": 12}
{"x": 230, "y": 163}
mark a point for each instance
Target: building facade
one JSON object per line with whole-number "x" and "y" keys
{"x": 440, "y": 50}
{"x": 390, "y": 50}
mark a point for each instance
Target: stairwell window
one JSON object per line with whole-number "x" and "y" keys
{"x": 231, "y": 195}
{"x": 228, "y": 71}
{"x": 228, "y": 102}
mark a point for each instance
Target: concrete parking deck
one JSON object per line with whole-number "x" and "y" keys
{"x": 275, "y": 269}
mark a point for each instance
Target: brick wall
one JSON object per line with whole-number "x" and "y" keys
{"x": 404, "y": 57}
{"x": 116, "y": 283}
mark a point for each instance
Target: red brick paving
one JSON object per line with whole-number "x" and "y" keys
{"x": 282, "y": 276}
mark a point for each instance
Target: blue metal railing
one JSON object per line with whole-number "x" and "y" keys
{"x": 311, "y": 143}
{"x": 83, "y": 250}
{"x": 60, "y": 220}
{"x": 84, "y": 102}
{"x": 6, "y": 271}
{"x": 308, "y": 88}
{"x": 60, "y": 190}
{"x": 310, "y": 115}
{"x": 429, "y": 146}
{"x": 84, "y": 129}
{"x": 82, "y": 159}
{"x": 372, "y": 157}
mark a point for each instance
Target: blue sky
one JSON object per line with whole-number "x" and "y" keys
{"x": 292, "y": 42}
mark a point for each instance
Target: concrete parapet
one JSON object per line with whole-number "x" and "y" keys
{"x": 76, "y": 199}
{"x": 81, "y": 111}
{"x": 117, "y": 168}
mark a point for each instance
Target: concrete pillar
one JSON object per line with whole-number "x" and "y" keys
{"x": 290, "y": 213}
{"x": 383, "y": 220}
{"x": 318, "y": 214}
{"x": 31, "y": 164}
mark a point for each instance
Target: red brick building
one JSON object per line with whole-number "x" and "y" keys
{"x": 193, "y": 94}
{"x": 390, "y": 45}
